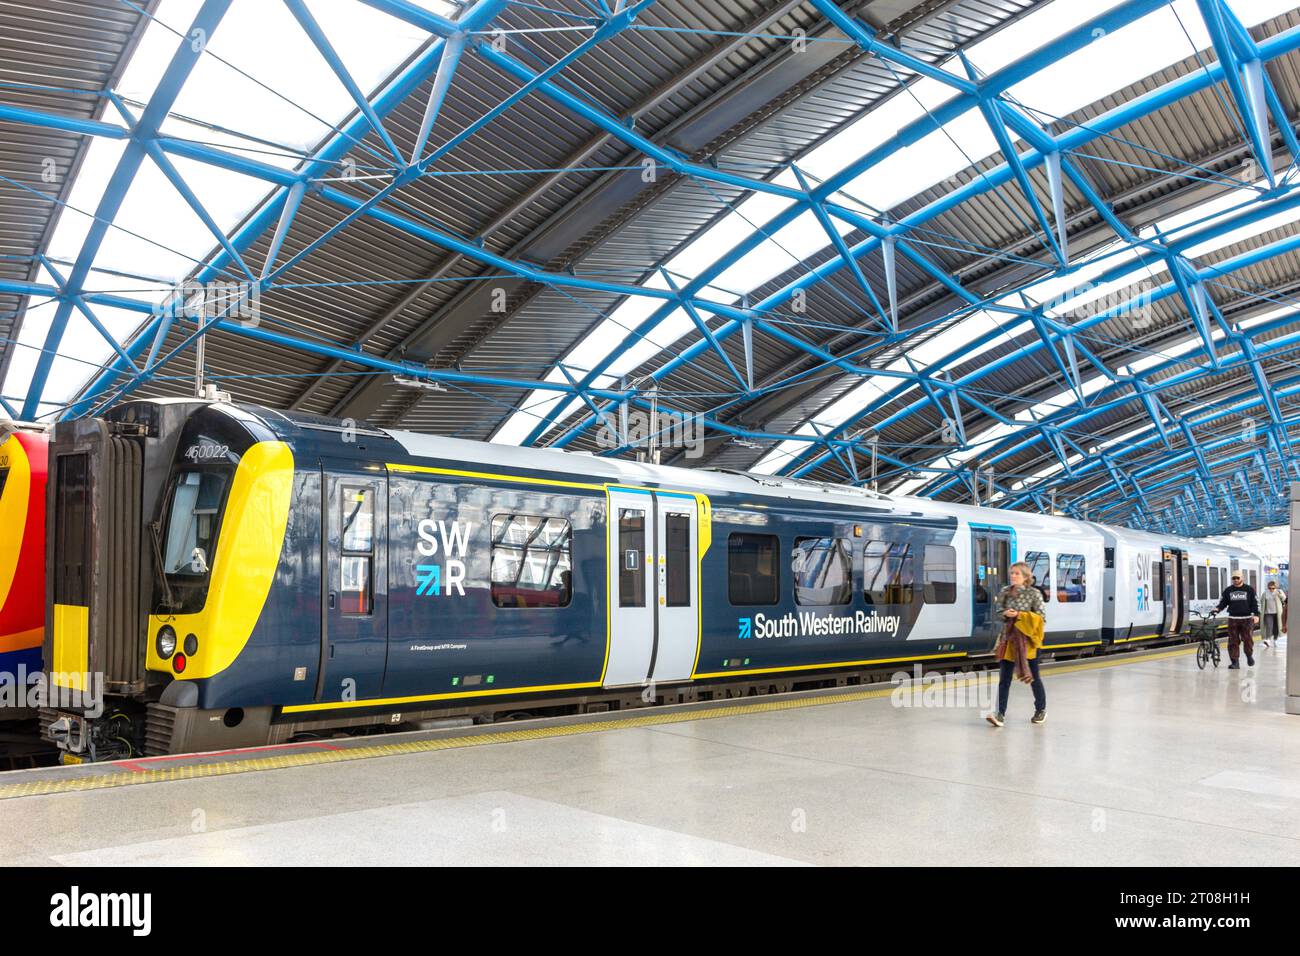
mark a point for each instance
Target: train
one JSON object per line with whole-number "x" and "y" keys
{"x": 223, "y": 575}
{"x": 23, "y": 455}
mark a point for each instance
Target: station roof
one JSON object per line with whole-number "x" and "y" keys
{"x": 1034, "y": 253}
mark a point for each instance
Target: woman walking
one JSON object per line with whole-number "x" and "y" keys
{"x": 1271, "y": 603}
{"x": 1021, "y": 605}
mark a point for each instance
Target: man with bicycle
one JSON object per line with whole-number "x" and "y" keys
{"x": 1243, "y": 614}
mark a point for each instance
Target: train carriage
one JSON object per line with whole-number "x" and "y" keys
{"x": 1146, "y": 580}
{"x": 225, "y": 575}
{"x": 282, "y": 572}
{"x": 1063, "y": 555}
{"x": 1210, "y": 567}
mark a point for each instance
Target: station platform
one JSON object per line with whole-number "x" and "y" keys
{"x": 1144, "y": 760}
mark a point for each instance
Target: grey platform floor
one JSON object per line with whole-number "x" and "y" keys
{"x": 1150, "y": 762}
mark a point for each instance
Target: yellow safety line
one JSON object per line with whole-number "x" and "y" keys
{"x": 286, "y": 761}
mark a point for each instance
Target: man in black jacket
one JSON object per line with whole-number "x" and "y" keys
{"x": 1243, "y": 615}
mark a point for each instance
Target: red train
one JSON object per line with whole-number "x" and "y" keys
{"x": 23, "y": 457}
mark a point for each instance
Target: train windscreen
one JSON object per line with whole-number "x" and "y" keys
{"x": 193, "y": 523}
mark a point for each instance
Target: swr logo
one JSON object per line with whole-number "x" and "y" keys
{"x": 746, "y": 627}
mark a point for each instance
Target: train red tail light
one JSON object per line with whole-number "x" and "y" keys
{"x": 178, "y": 663}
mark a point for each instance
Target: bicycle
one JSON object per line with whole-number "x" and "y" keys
{"x": 1206, "y": 631}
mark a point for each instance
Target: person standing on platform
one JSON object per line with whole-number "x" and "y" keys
{"x": 1023, "y": 633}
{"x": 1271, "y": 603}
{"x": 1243, "y": 614}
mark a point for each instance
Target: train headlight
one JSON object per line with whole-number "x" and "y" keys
{"x": 191, "y": 645}
{"x": 166, "y": 642}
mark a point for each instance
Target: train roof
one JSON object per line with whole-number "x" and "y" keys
{"x": 1020, "y": 520}
{"x": 1201, "y": 546}
{"x": 488, "y": 456}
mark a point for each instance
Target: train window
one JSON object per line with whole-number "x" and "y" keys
{"x": 677, "y": 554}
{"x": 358, "y": 519}
{"x": 1040, "y": 566}
{"x": 1071, "y": 584}
{"x": 356, "y": 563}
{"x": 631, "y": 554}
{"x": 71, "y": 540}
{"x": 531, "y": 561}
{"x": 1157, "y": 581}
{"x": 192, "y": 526}
{"x": 753, "y": 574}
{"x": 823, "y": 571}
{"x": 887, "y": 573}
{"x": 1216, "y": 583}
{"x": 1254, "y": 580}
{"x": 940, "y": 574}
{"x": 1202, "y": 589}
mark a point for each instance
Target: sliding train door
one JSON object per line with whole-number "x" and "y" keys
{"x": 991, "y": 557}
{"x": 1175, "y": 591}
{"x": 653, "y": 547}
{"x": 354, "y": 588}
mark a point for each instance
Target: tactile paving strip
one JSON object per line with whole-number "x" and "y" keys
{"x": 193, "y": 771}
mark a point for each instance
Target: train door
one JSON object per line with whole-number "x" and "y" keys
{"x": 991, "y": 559}
{"x": 1175, "y": 591}
{"x": 354, "y": 585}
{"x": 653, "y": 548}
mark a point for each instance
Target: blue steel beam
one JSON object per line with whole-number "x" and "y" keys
{"x": 1250, "y": 102}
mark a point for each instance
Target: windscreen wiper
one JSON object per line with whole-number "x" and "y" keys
{"x": 155, "y": 533}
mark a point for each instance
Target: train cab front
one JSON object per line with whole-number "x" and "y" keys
{"x": 145, "y": 579}
{"x": 217, "y": 549}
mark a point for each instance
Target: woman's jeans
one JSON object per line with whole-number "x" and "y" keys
{"x": 1008, "y": 674}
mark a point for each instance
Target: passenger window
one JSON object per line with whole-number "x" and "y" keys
{"x": 677, "y": 554}
{"x": 753, "y": 575}
{"x": 887, "y": 573}
{"x": 1202, "y": 590}
{"x": 1157, "y": 581}
{"x": 940, "y": 571}
{"x": 356, "y": 565}
{"x": 1040, "y": 566}
{"x": 1216, "y": 584}
{"x": 631, "y": 557}
{"x": 823, "y": 571}
{"x": 1071, "y": 585}
{"x": 532, "y": 562}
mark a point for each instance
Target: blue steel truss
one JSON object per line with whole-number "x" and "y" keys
{"x": 1195, "y": 474}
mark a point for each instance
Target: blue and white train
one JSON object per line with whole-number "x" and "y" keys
{"x": 235, "y": 575}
